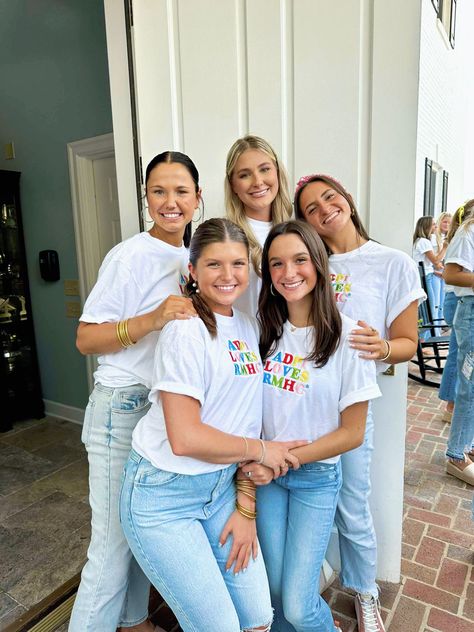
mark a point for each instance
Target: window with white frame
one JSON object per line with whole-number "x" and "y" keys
{"x": 446, "y": 12}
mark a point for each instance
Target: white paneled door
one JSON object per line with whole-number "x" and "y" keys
{"x": 332, "y": 86}
{"x": 210, "y": 71}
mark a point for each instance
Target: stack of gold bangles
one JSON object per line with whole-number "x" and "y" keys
{"x": 247, "y": 488}
{"x": 123, "y": 335}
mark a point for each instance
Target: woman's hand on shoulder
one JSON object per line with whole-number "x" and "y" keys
{"x": 367, "y": 340}
{"x": 244, "y": 541}
{"x": 172, "y": 308}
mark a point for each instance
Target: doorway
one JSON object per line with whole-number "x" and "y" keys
{"x": 96, "y": 214}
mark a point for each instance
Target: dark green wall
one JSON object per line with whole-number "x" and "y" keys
{"x": 54, "y": 89}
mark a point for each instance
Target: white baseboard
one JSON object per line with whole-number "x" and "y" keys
{"x": 69, "y": 413}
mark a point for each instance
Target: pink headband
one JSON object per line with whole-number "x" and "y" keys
{"x": 304, "y": 180}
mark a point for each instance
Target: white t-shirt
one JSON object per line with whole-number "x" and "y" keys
{"x": 375, "y": 283}
{"x": 224, "y": 374}
{"x": 420, "y": 248}
{"x": 248, "y": 301}
{"x": 461, "y": 251}
{"x": 304, "y": 402}
{"x": 135, "y": 277}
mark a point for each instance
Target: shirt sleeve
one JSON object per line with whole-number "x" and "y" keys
{"x": 404, "y": 288}
{"x": 115, "y": 295}
{"x": 180, "y": 362}
{"x": 359, "y": 383}
{"x": 461, "y": 250}
{"x": 424, "y": 245}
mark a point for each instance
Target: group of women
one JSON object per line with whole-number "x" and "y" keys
{"x": 206, "y": 429}
{"x": 445, "y": 248}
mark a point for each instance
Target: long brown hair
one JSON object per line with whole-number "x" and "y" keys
{"x": 281, "y": 209}
{"x": 423, "y": 228}
{"x": 337, "y": 186}
{"x": 213, "y": 231}
{"x": 324, "y": 316}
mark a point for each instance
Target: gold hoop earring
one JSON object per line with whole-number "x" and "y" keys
{"x": 201, "y": 213}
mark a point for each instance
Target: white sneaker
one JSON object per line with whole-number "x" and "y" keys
{"x": 368, "y": 613}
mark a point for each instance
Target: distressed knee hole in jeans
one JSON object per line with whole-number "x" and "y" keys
{"x": 468, "y": 366}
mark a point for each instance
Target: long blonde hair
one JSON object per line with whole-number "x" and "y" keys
{"x": 464, "y": 215}
{"x": 438, "y": 234}
{"x": 281, "y": 208}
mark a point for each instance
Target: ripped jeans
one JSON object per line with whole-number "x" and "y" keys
{"x": 461, "y": 432}
{"x": 114, "y": 590}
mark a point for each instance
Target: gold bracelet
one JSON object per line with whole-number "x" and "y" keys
{"x": 246, "y": 449}
{"x": 118, "y": 332}
{"x": 123, "y": 335}
{"x": 262, "y": 456}
{"x": 248, "y": 513}
{"x": 389, "y": 351}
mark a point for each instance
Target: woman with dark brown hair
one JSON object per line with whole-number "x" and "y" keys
{"x": 316, "y": 386}
{"x": 378, "y": 287}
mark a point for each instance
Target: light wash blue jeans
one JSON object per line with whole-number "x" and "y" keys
{"x": 294, "y": 521}
{"x": 357, "y": 540}
{"x": 461, "y": 432}
{"x": 113, "y": 591}
{"x": 447, "y": 389}
{"x": 173, "y": 523}
{"x": 433, "y": 289}
{"x": 438, "y": 287}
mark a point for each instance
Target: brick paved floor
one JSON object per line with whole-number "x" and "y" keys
{"x": 437, "y": 587}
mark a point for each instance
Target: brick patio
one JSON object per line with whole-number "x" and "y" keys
{"x": 437, "y": 588}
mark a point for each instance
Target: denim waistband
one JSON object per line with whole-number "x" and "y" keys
{"x": 134, "y": 456}
{"x": 466, "y": 299}
{"x": 112, "y": 389}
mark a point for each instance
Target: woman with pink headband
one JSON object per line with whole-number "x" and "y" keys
{"x": 378, "y": 287}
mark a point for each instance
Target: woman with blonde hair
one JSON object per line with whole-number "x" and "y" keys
{"x": 256, "y": 198}
{"x": 447, "y": 389}
{"x": 460, "y": 273}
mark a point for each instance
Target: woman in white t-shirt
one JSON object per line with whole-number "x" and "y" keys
{"x": 138, "y": 290}
{"x": 317, "y": 386}
{"x": 378, "y": 287}
{"x": 459, "y": 272}
{"x": 178, "y": 503}
{"x": 423, "y": 252}
{"x": 256, "y": 198}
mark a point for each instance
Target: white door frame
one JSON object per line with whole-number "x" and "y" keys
{"x": 81, "y": 155}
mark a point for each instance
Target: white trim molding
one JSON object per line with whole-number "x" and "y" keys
{"x": 63, "y": 411}
{"x": 81, "y": 155}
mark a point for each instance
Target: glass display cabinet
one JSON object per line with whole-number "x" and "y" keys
{"x": 20, "y": 388}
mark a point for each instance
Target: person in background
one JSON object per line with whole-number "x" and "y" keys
{"x": 314, "y": 385}
{"x": 138, "y": 290}
{"x": 423, "y": 252}
{"x": 256, "y": 198}
{"x": 447, "y": 389}
{"x": 459, "y": 272}
{"x": 438, "y": 239}
{"x": 379, "y": 288}
{"x": 192, "y": 535}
